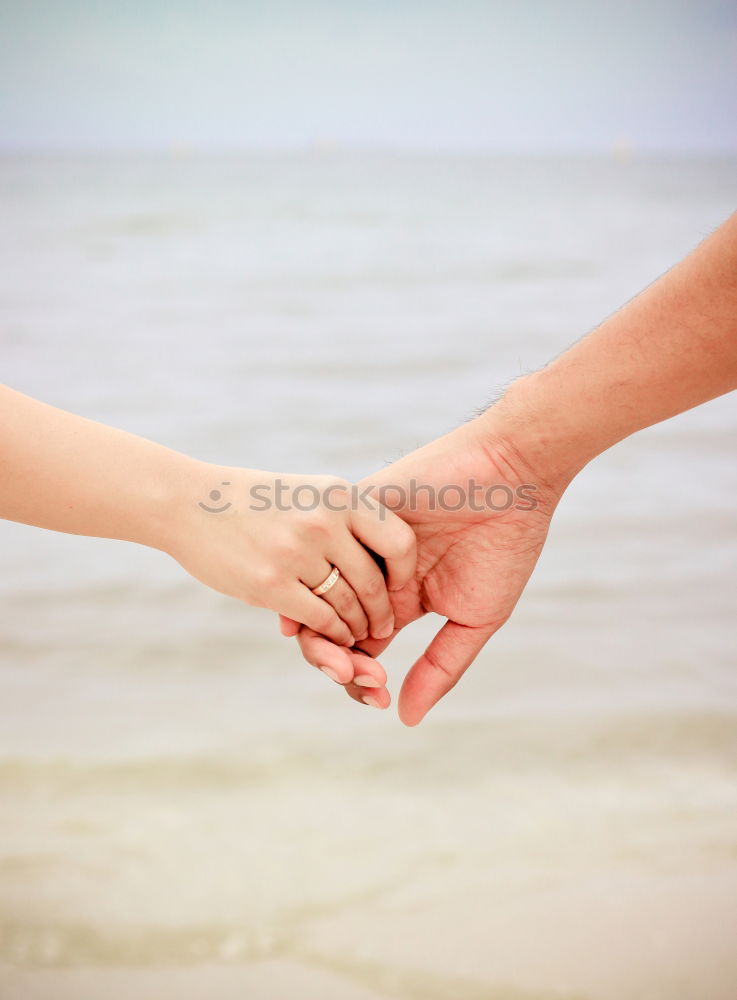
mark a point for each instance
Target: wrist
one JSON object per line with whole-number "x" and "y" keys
{"x": 532, "y": 423}
{"x": 172, "y": 501}
{"x": 198, "y": 496}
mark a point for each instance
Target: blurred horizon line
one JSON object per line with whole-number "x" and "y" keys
{"x": 618, "y": 151}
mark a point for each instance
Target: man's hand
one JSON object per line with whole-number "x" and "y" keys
{"x": 472, "y": 563}
{"x": 672, "y": 347}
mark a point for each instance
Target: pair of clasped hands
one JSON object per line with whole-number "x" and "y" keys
{"x": 453, "y": 528}
{"x": 462, "y": 526}
{"x": 346, "y": 568}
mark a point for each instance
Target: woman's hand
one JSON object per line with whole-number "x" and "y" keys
{"x": 265, "y": 539}
{"x": 270, "y": 539}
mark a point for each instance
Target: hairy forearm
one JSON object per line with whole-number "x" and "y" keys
{"x": 64, "y": 472}
{"x": 671, "y": 348}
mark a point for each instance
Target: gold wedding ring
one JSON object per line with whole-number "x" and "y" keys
{"x": 330, "y": 580}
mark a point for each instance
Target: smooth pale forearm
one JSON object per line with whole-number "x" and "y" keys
{"x": 64, "y": 472}
{"x": 232, "y": 528}
{"x": 672, "y": 347}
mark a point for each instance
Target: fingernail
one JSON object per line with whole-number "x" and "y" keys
{"x": 370, "y": 700}
{"x": 331, "y": 674}
{"x": 366, "y": 682}
{"x": 363, "y": 635}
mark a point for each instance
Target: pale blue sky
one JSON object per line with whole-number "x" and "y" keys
{"x": 552, "y": 75}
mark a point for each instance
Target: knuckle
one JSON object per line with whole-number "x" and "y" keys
{"x": 437, "y": 664}
{"x": 314, "y": 523}
{"x": 374, "y": 587}
{"x": 267, "y": 578}
{"x": 344, "y": 603}
{"x": 286, "y": 548}
{"x": 337, "y": 483}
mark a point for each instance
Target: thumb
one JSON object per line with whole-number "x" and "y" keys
{"x": 440, "y": 667}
